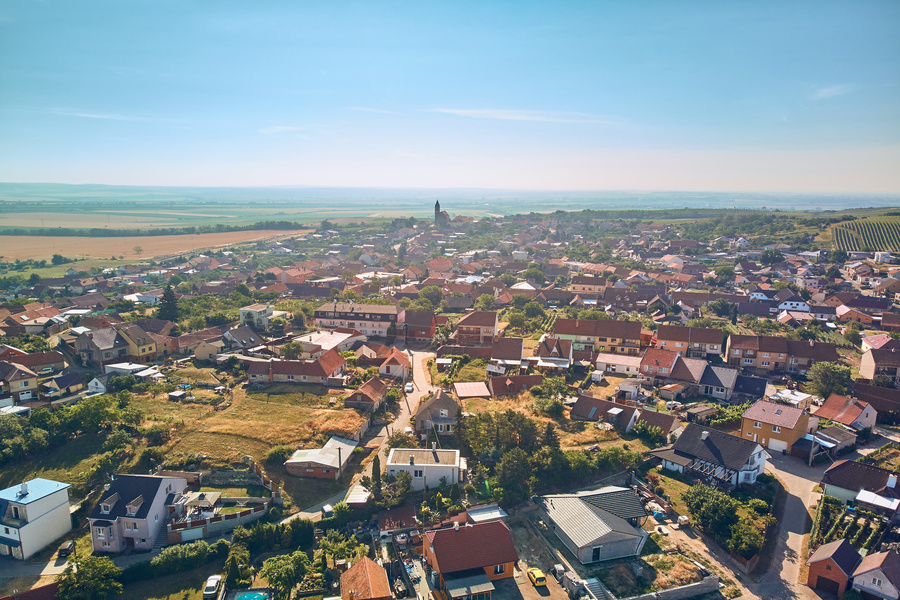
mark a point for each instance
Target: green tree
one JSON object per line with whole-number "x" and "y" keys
{"x": 826, "y": 378}
{"x": 90, "y": 578}
{"x": 376, "y": 478}
{"x": 485, "y": 302}
{"x": 714, "y": 512}
{"x": 285, "y": 571}
{"x": 432, "y": 293}
{"x": 533, "y": 310}
{"x": 168, "y": 306}
{"x": 516, "y": 319}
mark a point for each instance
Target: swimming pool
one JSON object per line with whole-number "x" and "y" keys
{"x": 252, "y": 596}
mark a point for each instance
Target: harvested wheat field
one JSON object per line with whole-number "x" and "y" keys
{"x": 44, "y": 247}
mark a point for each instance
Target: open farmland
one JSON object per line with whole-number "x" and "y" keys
{"x": 44, "y": 247}
{"x": 872, "y": 234}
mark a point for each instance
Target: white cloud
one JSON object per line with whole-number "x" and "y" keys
{"x": 503, "y": 114}
{"x": 372, "y": 110}
{"x": 831, "y": 91}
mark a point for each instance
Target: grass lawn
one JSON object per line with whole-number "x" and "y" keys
{"x": 254, "y": 491}
{"x": 674, "y": 488}
{"x": 471, "y": 372}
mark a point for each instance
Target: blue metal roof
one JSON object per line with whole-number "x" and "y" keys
{"x": 37, "y": 488}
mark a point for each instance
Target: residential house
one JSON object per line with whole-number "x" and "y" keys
{"x": 327, "y": 462}
{"x": 512, "y": 385}
{"x": 41, "y": 360}
{"x": 33, "y": 514}
{"x": 256, "y": 316}
{"x": 365, "y": 580}
{"x": 770, "y": 354}
{"x": 882, "y": 362}
{"x": 132, "y": 511}
{"x": 658, "y": 363}
{"x": 141, "y": 346}
{"x": 845, "y": 479}
{"x": 243, "y": 338}
{"x": 620, "y": 364}
{"x": 467, "y": 558}
{"x": 318, "y": 370}
{"x": 427, "y": 467}
{"x": 718, "y": 458}
{"x": 886, "y": 401}
{"x": 63, "y": 385}
{"x": 718, "y": 381}
{"x": 420, "y": 325}
{"x": 98, "y": 384}
{"x": 101, "y": 346}
{"x": 878, "y": 576}
{"x": 369, "y": 319}
{"x": 589, "y": 408}
{"x": 597, "y": 525}
{"x": 587, "y": 284}
{"x": 668, "y": 424}
{"x": 693, "y": 342}
{"x": 851, "y": 413}
{"x": 18, "y": 381}
{"x": 437, "y": 414}
{"x": 831, "y": 566}
{"x": 553, "y": 354}
{"x": 396, "y": 365}
{"x": 478, "y": 328}
{"x": 506, "y": 354}
{"x": 775, "y": 426}
{"x": 601, "y": 335}
{"x": 368, "y": 397}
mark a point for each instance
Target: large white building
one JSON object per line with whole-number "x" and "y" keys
{"x": 427, "y": 467}
{"x": 32, "y": 515}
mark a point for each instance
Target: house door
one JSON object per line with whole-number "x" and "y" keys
{"x": 595, "y": 555}
{"x": 827, "y": 585}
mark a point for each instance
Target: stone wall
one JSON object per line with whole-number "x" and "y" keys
{"x": 692, "y": 590}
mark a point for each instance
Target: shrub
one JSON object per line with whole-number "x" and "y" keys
{"x": 760, "y": 507}
{"x": 279, "y": 454}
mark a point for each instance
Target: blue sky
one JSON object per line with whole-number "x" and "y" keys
{"x": 656, "y": 95}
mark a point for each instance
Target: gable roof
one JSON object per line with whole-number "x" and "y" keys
{"x": 364, "y": 580}
{"x": 844, "y": 555}
{"x": 591, "y": 408}
{"x": 586, "y": 517}
{"x": 690, "y": 335}
{"x": 472, "y": 546}
{"x": 780, "y": 415}
{"x": 439, "y": 401}
{"x": 374, "y": 389}
{"x": 888, "y": 562}
{"x": 507, "y": 348}
{"x": 665, "y": 422}
{"x": 396, "y": 357}
{"x": 125, "y": 488}
{"x": 479, "y": 318}
{"x": 501, "y": 385}
{"x": 842, "y": 409}
{"x": 719, "y": 376}
{"x": 856, "y": 476}
{"x": 883, "y": 400}
{"x": 719, "y": 448}
{"x": 552, "y": 347}
{"x": 630, "y": 330}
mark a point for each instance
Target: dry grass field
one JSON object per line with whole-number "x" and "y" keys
{"x": 22, "y": 247}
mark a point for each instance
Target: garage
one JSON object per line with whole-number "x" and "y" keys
{"x": 777, "y": 445}
{"x": 828, "y": 585}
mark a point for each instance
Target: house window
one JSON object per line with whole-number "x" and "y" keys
{"x": 290, "y": 377}
{"x": 449, "y": 428}
{"x": 776, "y": 429}
{"x": 766, "y": 354}
{"x": 827, "y": 567}
{"x": 499, "y": 569}
{"x": 765, "y": 363}
{"x": 440, "y": 428}
{"x": 417, "y": 473}
{"x": 156, "y": 518}
{"x": 748, "y": 361}
{"x": 100, "y": 535}
{"x": 679, "y": 345}
{"x": 663, "y": 370}
{"x": 749, "y": 434}
{"x": 737, "y": 353}
{"x": 757, "y": 425}
{"x": 876, "y": 582}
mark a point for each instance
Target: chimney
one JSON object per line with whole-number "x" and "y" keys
{"x": 892, "y": 481}
{"x": 412, "y": 459}
{"x": 704, "y": 435}
{"x": 434, "y": 445}
{"x": 23, "y": 489}
{"x": 455, "y": 525}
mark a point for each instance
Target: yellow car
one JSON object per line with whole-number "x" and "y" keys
{"x": 537, "y": 577}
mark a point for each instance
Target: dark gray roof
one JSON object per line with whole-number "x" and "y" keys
{"x": 841, "y": 552}
{"x": 129, "y": 487}
{"x": 719, "y": 448}
{"x": 838, "y": 434}
{"x": 585, "y": 523}
{"x": 746, "y": 384}
{"x": 622, "y": 502}
{"x": 719, "y": 377}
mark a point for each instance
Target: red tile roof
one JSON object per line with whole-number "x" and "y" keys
{"x": 842, "y": 409}
{"x": 472, "y": 547}
{"x": 366, "y": 580}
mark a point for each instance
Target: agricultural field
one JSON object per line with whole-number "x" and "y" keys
{"x": 872, "y": 234}
{"x": 14, "y": 247}
{"x": 832, "y": 522}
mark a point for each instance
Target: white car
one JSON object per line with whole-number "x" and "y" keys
{"x": 211, "y": 589}
{"x": 408, "y": 388}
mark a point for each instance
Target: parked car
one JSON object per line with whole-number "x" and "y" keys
{"x": 537, "y": 577}
{"x": 327, "y": 511}
{"x": 65, "y": 549}
{"x": 408, "y": 388}
{"x": 211, "y": 589}
{"x": 558, "y": 571}
{"x": 45, "y": 371}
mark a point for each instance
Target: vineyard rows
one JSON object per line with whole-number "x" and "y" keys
{"x": 868, "y": 235}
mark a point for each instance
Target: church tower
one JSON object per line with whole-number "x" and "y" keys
{"x": 437, "y": 211}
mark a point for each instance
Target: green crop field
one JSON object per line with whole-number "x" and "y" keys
{"x": 872, "y": 234}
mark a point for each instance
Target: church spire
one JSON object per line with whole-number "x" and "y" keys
{"x": 437, "y": 207}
